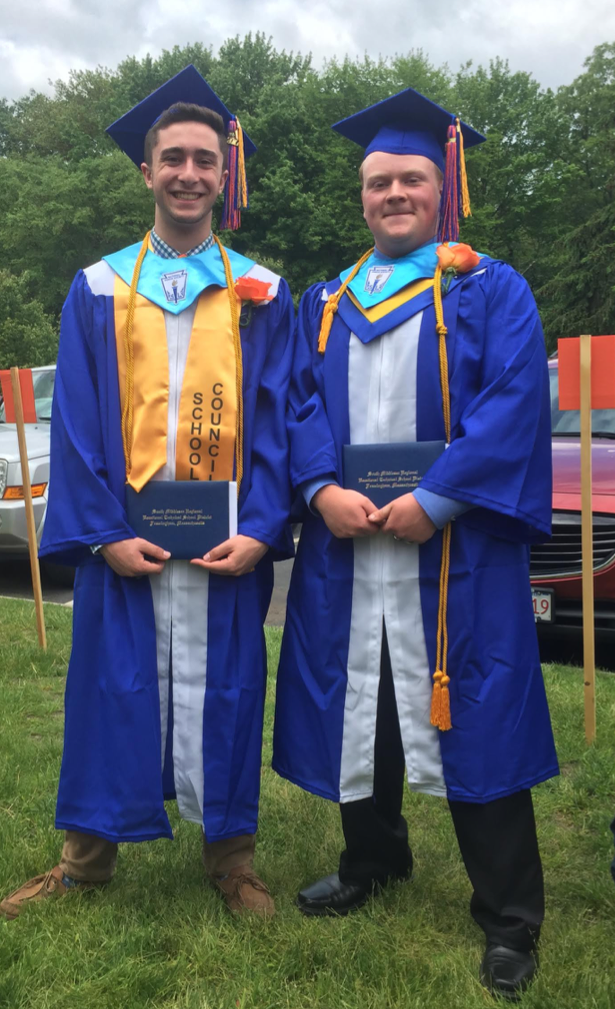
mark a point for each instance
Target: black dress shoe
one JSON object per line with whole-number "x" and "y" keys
{"x": 508, "y": 972}
{"x": 330, "y": 896}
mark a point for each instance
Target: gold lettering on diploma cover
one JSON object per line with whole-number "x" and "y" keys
{"x": 209, "y": 444}
{"x": 175, "y": 517}
{"x": 401, "y": 480}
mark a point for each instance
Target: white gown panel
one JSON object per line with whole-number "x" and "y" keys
{"x": 382, "y": 384}
{"x": 180, "y": 596}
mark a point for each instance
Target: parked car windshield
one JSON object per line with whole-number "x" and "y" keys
{"x": 43, "y": 394}
{"x": 568, "y": 422}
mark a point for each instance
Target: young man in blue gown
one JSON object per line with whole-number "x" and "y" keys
{"x": 410, "y": 646}
{"x": 173, "y": 364}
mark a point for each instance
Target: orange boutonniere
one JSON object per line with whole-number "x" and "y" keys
{"x": 460, "y": 258}
{"x": 251, "y": 289}
{"x": 454, "y": 259}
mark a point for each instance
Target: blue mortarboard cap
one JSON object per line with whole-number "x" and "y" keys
{"x": 187, "y": 86}
{"x": 406, "y": 123}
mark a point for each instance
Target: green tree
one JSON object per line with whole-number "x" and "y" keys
{"x": 516, "y": 177}
{"x": 578, "y": 295}
{"x": 28, "y": 336}
{"x": 542, "y": 186}
{"x": 57, "y": 217}
{"x": 305, "y": 208}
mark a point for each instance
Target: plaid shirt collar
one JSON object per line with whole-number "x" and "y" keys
{"x": 161, "y": 248}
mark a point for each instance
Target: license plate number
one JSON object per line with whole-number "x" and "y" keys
{"x": 543, "y": 605}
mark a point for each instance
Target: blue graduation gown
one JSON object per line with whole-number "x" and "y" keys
{"x": 499, "y": 462}
{"x": 111, "y": 781}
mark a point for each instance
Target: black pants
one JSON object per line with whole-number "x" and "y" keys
{"x": 497, "y": 839}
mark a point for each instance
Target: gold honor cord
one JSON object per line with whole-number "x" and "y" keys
{"x": 440, "y": 698}
{"x": 235, "y": 310}
{"x": 128, "y": 409}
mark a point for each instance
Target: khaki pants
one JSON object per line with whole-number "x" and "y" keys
{"x": 91, "y": 859}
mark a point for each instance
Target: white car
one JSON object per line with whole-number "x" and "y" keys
{"x": 13, "y": 533}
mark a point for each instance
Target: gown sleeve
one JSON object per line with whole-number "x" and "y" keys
{"x": 312, "y": 448}
{"x": 82, "y": 510}
{"x": 264, "y": 512}
{"x": 499, "y": 459}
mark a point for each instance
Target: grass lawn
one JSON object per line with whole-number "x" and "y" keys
{"x": 158, "y": 936}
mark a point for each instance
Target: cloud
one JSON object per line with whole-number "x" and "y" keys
{"x": 42, "y": 40}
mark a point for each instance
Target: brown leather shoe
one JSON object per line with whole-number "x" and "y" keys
{"x": 244, "y": 891}
{"x": 47, "y": 885}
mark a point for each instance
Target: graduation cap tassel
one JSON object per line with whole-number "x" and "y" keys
{"x": 229, "y": 212}
{"x": 236, "y": 189}
{"x": 465, "y": 209}
{"x": 448, "y": 229}
{"x": 440, "y": 698}
{"x": 241, "y": 168}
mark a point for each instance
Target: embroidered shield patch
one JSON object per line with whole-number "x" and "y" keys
{"x": 174, "y": 285}
{"x": 377, "y": 277}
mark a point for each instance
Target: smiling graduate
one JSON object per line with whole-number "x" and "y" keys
{"x": 173, "y": 364}
{"x": 409, "y": 646}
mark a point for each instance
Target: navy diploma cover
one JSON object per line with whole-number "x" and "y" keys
{"x": 185, "y": 517}
{"x": 384, "y": 472}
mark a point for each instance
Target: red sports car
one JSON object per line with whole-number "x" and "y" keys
{"x": 555, "y": 566}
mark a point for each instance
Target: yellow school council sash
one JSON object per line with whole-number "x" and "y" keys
{"x": 207, "y": 423}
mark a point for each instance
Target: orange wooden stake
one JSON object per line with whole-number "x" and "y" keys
{"x": 30, "y": 523}
{"x": 587, "y": 541}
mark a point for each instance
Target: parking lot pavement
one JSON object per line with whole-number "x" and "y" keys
{"x": 568, "y": 651}
{"x": 277, "y": 607}
{"x": 16, "y": 581}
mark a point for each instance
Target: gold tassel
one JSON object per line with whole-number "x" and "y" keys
{"x": 242, "y": 181}
{"x": 333, "y": 302}
{"x": 436, "y": 699}
{"x": 465, "y": 192}
{"x": 326, "y": 323}
{"x": 445, "y": 705}
{"x": 440, "y": 716}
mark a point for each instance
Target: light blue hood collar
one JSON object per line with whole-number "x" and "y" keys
{"x": 174, "y": 284}
{"x": 381, "y": 277}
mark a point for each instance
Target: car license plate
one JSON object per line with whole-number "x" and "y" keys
{"x": 543, "y": 605}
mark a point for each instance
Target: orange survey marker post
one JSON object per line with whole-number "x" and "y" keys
{"x": 27, "y": 396}
{"x": 586, "y": 383}
{"x": 20, "y": 409}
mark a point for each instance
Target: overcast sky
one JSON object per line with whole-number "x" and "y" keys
{"x": 44, "y": 39}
